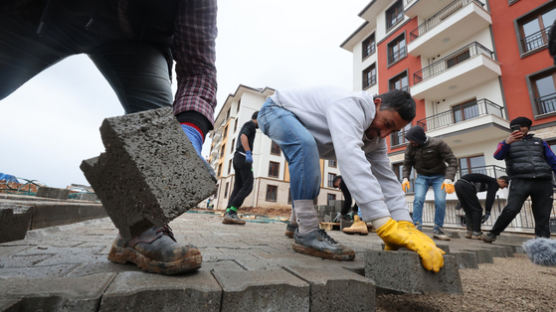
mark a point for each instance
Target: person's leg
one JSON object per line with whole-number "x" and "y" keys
{"x": 542, "y": 198}
{"x": 462, "y": 194}
{"x": 246, "y": 173}
{"x": 439, "y": 201}
{"x": 421, "y": 187}
{"x": 518, "y": 193}
{"x": 238, "y": 180}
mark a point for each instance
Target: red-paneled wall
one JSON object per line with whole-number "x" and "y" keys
{"x": 515, "y": 69}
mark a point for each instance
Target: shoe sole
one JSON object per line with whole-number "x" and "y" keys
{"x": 348, "y": 256}
{"x": 191, "y": 262}
{"x": 357, "y": 232}
{"x": 232, "y": 221}
{"x": 441, "y": 238}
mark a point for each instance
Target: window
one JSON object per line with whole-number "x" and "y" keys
{"x": 273, "y": 169}
{"x": 398, "y": 137}
{"x": 466, "y": 110}
{"x": 369, "y": 46}
{"x": 226, "y": 190}
{"x": 398, "y": 171}
{"x": 235, "y": 125}
{"x": 533, "y": 28}
{"x": 274, "y": 148}
{"x": 330, "y": 197}
{"x": 238, "y": 105}
{"x": 472, "y": 164}
{"x": 233, "y": 145}
{"x": 271, "y": 193}
{"x": 222, "y": 150}
{"x": 369, "y": 76}
{"x": 229, "y": 166}
{"x": 220, "y": 170}
{"x": 543, "y": 87}
{"x": 400, "y": 82}
{"x": 331, "y": 177}
{"x": 332, "y": 163}
{"x": 228, "y": 114}
{"x": 394, "y": 14}
{"x": 226, "y": 132}
{"x": 396, "y": 49}
{"x": 452, "y": 61}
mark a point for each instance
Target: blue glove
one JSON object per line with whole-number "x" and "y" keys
{"x": 248, "y": 157}
{"x": 196, "y": 139}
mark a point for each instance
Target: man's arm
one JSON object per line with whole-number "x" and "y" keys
{"x": 449, "y": 158}
{"x": 491, "y": 193}
{"x": 244, "y": 142}
{"x": 549, "y": 155}
{"x": 193, "y": 48}
{"x": 501, "y": 150}
{"x": 407, "y": 162}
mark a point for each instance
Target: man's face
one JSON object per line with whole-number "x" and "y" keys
{"x": 337, "y": 183}
{"x": 524, "y": 129}
{"x": 385, "y": 122}
{"x": 502, "y": 183}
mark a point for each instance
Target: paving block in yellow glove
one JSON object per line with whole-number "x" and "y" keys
{"x": 448, "y": 186}
{"x": 397, "y": 235}
{"x": 405, "y": 185}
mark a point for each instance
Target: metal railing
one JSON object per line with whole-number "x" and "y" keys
{"x": 546, "y": 104}
{"x": 440, "y": 16}
{"x": 475, "y": 109}
{"x": 469, "y": 51}
{"x": 491, "y": 171}
{"x": 535, "y": 41}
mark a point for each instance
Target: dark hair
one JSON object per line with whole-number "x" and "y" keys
{"x": 255, "y": 115}
{"x": 400, "y": 101}
{"x": 505, "y": 178}
{"x": 336, "y": 179}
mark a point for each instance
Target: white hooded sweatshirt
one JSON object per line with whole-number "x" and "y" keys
{"x": 337, "y": 119}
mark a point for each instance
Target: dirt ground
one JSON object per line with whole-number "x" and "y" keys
{"x": 508, "y": 284}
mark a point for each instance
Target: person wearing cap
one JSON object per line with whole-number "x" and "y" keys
{"x": 436, "y": 166}
{"x": 529, "y": 164}
{"x": 467, "y": 188}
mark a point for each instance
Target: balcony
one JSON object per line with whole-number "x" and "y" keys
{"x": 476, "y": 121}
{"x": 423, "y": 8}
{"x": 466, "y": 68}
{"x": 535, "y": 41}
{"x": 546, "y": 104}
{"x": 451, "y": 25}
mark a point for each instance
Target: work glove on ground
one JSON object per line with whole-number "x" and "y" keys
{"x": 485, "y": 217}
{"x": 448, "y": 186}
{"x": 405, "y": 185}
{"x": 404, "y": 234}
{"x": 249, "y": 156}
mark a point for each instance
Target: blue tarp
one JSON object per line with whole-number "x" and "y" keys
{"x": 8, "y": 178}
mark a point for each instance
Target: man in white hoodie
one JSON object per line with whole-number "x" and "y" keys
{"x": 330, "y": 123}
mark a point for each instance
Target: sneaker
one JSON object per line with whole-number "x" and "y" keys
{"x": 439, "y": 234}
{"x": 468, "y": 234}
{"x": 231, "y": 217}
{"x": 290, "y": 229}
{"x": 489, "y": 237}
{"x": 156, "y": 251}
{"x": 317, "y": 243}
{"x": 477, "y": 235}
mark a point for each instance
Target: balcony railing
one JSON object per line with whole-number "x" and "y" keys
{"x": 440, "y": 16}
{"x": 491, "y": 171}
{"x": 546, "y": 104}
{"x": 535, "y": 41}
{"x": 480, "y": 107}
{"x": 469, "y": 51}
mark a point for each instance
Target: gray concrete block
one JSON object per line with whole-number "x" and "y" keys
{"x": 47, "y": 214}
{"x": 401, "y": 272}
{"x": 52, "y": 192}
{"x": 466, "y": 260}
{"x": 9, "y": 305}
{"x": 15, "y": 220}
{"x": 483, "y": 255}
{"x": 56, "y": 294}
{"x": 150, "y": 170}
{"x": 138, "y": 291}
{"x": 271, "y": 290}
{"x": 337, "y": 290}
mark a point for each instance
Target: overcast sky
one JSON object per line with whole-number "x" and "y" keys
{"x": 50, "y": 124}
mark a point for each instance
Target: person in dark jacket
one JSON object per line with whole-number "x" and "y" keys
{"x": 243, "y": 166}
{"x": 436, "y": 166}
{"x": 467, "y": 188}
{"x": 133, "y": 43}
{"x": 529, "y": 163}
{"x": 359, "y": 226}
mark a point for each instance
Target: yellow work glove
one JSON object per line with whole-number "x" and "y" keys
{"x": 402, "y": 234}
{"x": 448, "y": 186}
{"x": 405, "y": 185}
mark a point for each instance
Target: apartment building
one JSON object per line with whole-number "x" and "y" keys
{"x": 271, "y": 187}
{"x": 471, "y": 66}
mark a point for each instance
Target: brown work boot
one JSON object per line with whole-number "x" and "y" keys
{"x": 358, "y": 227}
{"x": 156, "y": 251}
{"x": 290, "y": 229}
{"x": 231, "y": 217}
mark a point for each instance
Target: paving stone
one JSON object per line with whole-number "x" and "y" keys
{"x": 138, "y": 291}
{"x": 46, "y": 214}
{"x": 466, "y": 260}
{"x": 272, "y": 290}
{"x": 52, "y": 192}
{"x": 32, "y": 272}
{"x": 56, "y": 294}
{"x": 483, "y": 255}
{"x": 337, "y": 290}
{"x": 9, "y": 305}
{"x": 401, "y": 272}
{"x": 221, "y": 265}
{"x": 15, "y": 220}
{"x": 150, "y": 170}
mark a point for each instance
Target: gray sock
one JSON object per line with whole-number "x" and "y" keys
{"x": 306, "y": 214}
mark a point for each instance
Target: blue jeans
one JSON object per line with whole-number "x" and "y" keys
{"x": 299, "y": 148}
{"x": 422, "y": 184}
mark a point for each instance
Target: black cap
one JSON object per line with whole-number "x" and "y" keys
{"x": 416, "y": 134}
{"x": 521, "y": 121}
